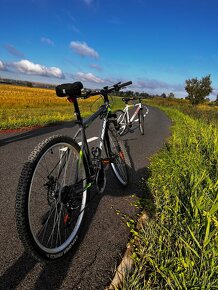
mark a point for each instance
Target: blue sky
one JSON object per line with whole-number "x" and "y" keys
{"x": 157, "y": 44}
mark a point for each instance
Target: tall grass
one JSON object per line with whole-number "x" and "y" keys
{"x": 178, "y": 248}
{"x": 203, "y": 111}
{"x": 23, "y": 106}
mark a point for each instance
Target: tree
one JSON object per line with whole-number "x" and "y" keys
{"x": 163, "y": 96}
{"x": 171, "y": 96}
{"x": 198, "y": 90}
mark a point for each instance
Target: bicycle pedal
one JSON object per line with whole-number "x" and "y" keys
{"x": 105, "y": 161}
{"x": 66, "y": 219}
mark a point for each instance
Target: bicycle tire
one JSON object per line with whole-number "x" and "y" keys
{"x": 116, "y": 151}
{"x": 121, "y": 121}
{"x": 141, "y": 121}
{"x": 59, "y": 198}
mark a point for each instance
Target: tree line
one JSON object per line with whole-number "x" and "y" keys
{"x": 197, "y": 90}
{"x": 144, "y": 95}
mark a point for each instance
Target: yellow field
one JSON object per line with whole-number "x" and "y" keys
{"x": 23, "y": 97}
{"x": 24, "y": 106}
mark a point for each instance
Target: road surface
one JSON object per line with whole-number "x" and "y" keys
{"x": 104, "y": 235}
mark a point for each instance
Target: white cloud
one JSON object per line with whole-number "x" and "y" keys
{"x": 47, "y": 41}
{"x": 28, "y": 67}
{"x": 2, "y": 67}
{"x": 89, "y": 77}
{"x": 214, "y": 93}
{"x": 83, "y": 49}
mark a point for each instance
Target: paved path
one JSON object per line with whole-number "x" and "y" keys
{"x": 104, "y": 236}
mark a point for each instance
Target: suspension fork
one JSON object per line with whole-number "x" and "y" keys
{"x": 106, "y": 139}
{"x": 107, "y": 144}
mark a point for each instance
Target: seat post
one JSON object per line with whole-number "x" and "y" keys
{"x": 76, "y": 107}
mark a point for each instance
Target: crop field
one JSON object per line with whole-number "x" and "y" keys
{"x": 177, "y": 248}
{"x": 26, "y": 107}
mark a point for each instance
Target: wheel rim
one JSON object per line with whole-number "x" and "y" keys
{"x": 57, "y": 198}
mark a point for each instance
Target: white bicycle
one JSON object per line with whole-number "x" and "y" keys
{"x": 123, "y": 116}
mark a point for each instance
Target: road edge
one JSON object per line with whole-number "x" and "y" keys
{"x": 127, "y": 264}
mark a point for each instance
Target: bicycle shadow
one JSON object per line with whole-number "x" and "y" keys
{"x": 52, "y": 275}
{"x": 36, "y": 132}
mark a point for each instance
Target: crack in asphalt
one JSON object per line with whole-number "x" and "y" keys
{"x": 76, "y": 286}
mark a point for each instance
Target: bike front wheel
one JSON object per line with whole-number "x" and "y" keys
{"x": 119, "y": 159}
{"x": 141, "y": 121}
{"x": 51, "y": 198}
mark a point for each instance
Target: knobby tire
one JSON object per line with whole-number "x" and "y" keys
{"x": 46, "y": 181}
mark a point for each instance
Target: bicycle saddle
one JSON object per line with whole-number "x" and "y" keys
{"x": 126, "y": 100}
{"x": 71, "y": 90}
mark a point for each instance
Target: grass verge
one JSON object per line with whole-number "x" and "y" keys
{"x": 178, "y": 247}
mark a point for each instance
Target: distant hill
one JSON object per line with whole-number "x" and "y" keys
{"x": 26, "y": 83}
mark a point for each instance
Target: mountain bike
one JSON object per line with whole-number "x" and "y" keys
{"x": 54, "y": 187}
{"x": 123, "y": 116}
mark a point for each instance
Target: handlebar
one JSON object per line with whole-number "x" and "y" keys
{"x": 126, "y": 84}
{"x": 76, "y": 90}
{"x": 116, "y": 87}
{"x": 106, "y": 90}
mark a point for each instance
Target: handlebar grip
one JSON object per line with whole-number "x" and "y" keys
{"x": 125, "y": 84}
{"x": 117, "y": 84}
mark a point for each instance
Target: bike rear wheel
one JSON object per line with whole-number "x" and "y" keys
{"x": 119, "y": 159}
{"x": 122, "y": 121}
{"x": 51, "y": 198}
{"x": 141, "y": 121}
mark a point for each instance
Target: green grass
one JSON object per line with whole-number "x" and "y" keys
{"x": 203, "y": 111}
{"x": 178, "y": 247}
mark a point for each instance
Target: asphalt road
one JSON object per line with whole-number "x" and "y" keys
{"x": 104, "y": 235}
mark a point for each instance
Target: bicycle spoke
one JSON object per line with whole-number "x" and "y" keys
{"x": 44, "y": 228}
{"x": 55, "y": 221}
{"x": 58, "y": 230}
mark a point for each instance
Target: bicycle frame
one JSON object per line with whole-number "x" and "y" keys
{"x": 126, "y": 111}
{"x": 103, "y": 112}
{"x": 53, "y": 189}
